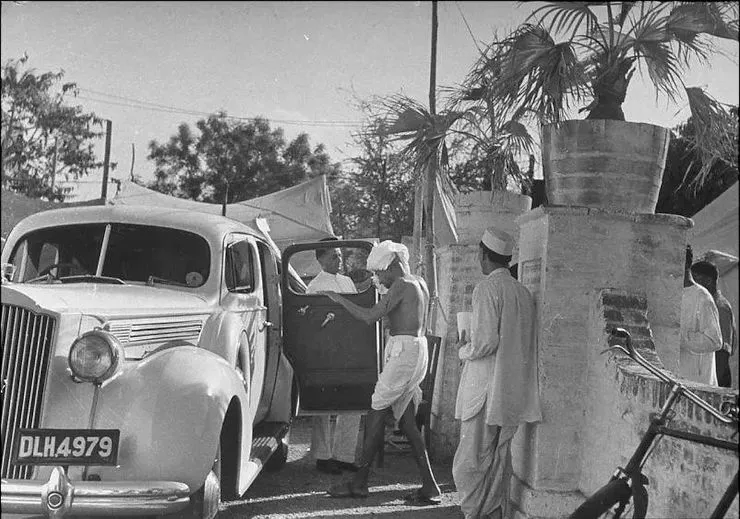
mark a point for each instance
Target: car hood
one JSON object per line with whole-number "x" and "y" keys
{"x": 102, "y": 299}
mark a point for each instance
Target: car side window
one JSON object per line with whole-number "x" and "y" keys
{"x": 239, "y": 275}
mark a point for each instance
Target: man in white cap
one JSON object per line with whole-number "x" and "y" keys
{"x": 498, "y": 385}
{"x": 406, "y": 358}
{"x": 333, "y": 453}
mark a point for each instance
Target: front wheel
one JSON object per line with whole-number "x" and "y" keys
{"x": 608, "y": 501}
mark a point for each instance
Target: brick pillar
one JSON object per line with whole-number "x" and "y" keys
{"x": 566, "y": 255}
{"x": 459, "y": 271}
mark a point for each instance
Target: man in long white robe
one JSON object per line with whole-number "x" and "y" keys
{"x": 701, "y": 335}
{"x": 498, "y": 385}
{"x": 333, "y": 453}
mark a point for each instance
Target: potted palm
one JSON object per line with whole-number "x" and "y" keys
{"x": 604, "y": 161}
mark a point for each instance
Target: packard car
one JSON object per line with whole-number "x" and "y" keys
{"x": 153, "y": 359}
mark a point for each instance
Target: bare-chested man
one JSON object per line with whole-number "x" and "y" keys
{"x": 406, "y": 358}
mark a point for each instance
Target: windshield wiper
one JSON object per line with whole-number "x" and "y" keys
{"x": 164, "y": 281}
{"x": 90, "y": 278}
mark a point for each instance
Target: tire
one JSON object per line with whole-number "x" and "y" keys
{"x": 603, "y": 500}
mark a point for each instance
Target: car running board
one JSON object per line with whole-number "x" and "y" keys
{"x": 266, "y": 438}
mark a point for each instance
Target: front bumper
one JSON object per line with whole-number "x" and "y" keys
{"x": 59, "y": 497}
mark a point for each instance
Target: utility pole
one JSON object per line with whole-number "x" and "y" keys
{"x": 54, "y": 165}
{"x": 431, "y": 184}
{"x": 106, "y": 163}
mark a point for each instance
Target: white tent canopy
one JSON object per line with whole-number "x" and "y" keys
{"x": 714, "y": 237}
{"x": 298, "y": 213}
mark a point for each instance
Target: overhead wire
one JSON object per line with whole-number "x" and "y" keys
{"x": 157, "y": 107}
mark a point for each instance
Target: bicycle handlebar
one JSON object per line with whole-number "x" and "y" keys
{"x": 729, "y": 411}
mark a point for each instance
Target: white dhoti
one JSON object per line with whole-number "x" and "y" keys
{"x": 406, "y": 360}
{"x": 482, "y": 467}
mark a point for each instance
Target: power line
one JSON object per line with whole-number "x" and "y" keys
{"x": 156, "y": 107}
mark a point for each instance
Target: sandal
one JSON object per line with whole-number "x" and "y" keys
{"x": 345, "y": 490}
{"x": 417, "y": 498}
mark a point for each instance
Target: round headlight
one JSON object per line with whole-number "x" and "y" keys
{"x": 94, "y": 356}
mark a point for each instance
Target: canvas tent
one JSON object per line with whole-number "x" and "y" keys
{"x": 298, "y": 213}
{"x": 15, "y": 207}
{"x": 715, "y": 237}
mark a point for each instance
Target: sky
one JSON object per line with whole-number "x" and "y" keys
{"x": 149, "y": 66}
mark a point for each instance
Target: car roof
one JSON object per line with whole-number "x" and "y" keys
{"x": 209, "y": 225}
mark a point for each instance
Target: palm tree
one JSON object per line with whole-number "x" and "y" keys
{"x": 602, "y": 44}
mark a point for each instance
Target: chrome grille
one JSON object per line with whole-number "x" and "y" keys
{"x": 26, "y": 348}
{"x": 150, "y": 331}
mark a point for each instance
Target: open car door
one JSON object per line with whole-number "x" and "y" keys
{"x": 335, "y": 356}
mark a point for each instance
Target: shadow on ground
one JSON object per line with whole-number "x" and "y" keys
{"x": 299, "y": 491}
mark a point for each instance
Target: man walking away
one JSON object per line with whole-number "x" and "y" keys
{"x": 706, "y": 274}
{"x": 498, "y": 385}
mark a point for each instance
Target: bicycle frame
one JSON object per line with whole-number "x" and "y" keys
{"x": 658, "y": 428}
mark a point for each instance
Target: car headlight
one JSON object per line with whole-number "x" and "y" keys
{"x": 95, "y": 356}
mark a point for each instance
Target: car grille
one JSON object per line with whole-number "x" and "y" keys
{"x": 26, "y": 348}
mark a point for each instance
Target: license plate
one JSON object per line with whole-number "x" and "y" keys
{"x": 66, "y": 447}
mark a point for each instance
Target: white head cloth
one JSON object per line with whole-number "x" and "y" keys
{"x": 383, "y": 254}
{"x": 498, "y": 241}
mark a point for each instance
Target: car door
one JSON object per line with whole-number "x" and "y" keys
{"x": 335, "y": 356}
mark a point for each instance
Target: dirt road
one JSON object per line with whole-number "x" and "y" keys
{"x": 298, "y": 490}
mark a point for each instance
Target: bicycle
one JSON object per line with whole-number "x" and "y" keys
{"x": 628, "y": 484}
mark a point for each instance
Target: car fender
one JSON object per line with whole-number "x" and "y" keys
{"x": 170, "y": 408}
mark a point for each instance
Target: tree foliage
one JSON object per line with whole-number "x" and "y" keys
{"x": 43, "y": 136}
{"x": 233, "y": 160}
{"x": 374, "y": 197}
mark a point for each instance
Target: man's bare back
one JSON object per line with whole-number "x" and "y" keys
{"x": 406, "y": 306}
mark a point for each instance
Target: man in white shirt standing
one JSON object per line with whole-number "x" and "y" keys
{"x": 338, "y": 453}
{"x": 701, "y": 335}
{"x": 498, "y": 385}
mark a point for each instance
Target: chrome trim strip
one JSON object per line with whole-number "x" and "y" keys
{"x": 103, "y": 498}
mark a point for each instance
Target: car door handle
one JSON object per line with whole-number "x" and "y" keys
{"x": 263, "y": 325}
{"x": 329, "y": 317}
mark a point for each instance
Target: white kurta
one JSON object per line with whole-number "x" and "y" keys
{"x": 500, "y": 362}
{"x": 701, "y": 335}
{"x": 346, "y": 430}
{"x": 333, "y": 282}
{"x": 498, "y": 391}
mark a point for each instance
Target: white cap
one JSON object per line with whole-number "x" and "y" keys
{"x": 383, "y": 254}
{"x": 498, "y": 241}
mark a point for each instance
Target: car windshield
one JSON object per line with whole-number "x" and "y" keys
{"x": 135, "y": 253}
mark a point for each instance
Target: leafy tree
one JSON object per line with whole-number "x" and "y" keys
{"x": 43, "y": 136}
{"x": 233, "y": 160}
{"x": 375, "y": 197}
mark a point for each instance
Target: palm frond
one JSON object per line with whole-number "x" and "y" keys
{"x": 624, "y": 11}
{"x": 538, "y": 73}
{"x": 716, "y": 133}
{"x": 565, "y": 17}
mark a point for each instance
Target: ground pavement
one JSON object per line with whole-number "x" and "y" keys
{"x": 298, "y": 491}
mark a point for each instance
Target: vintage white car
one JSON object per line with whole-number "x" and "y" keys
{"x": 152, "y": 360}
